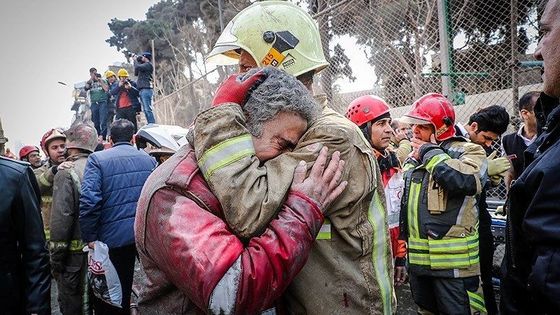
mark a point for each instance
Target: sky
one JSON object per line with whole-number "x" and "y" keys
{"x": 44, "y": 42}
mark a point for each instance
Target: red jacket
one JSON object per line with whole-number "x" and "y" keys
{"x": 193, "y": 263}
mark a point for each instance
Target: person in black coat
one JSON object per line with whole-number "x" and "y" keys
{"x": 531, "y": 283}
{"x": 25, "y": 278}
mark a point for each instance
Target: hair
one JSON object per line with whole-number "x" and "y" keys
{"x": 122, "y": 130}
{"x": 526, "y": 101}
{"x": 492, "y": 118}
{"x": 91, "y": 70}
{"x": 279, "y": 92}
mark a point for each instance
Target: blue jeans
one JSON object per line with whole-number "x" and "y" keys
{"x": 146, "y": 99}
{"x": 99, "y": 117}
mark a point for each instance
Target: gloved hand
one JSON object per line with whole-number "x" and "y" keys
{"x": 233, "y": 90}
{"x": 498, "y": 166}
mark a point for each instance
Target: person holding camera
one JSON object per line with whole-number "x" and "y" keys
{"x": 98, "y": 89}
{"x": 126, "y": 97}
{"x": 143, "y": 68}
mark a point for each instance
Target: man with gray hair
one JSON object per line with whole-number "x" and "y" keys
{"x": 192, "y": 260}
{"x": 531, "y": 282}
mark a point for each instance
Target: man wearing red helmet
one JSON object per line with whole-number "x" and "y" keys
{"x": 30, "y": 154}
{"x": 439, "y": 216}
{"x": 372, "y": 115}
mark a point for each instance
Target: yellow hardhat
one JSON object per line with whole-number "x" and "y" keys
{"x": 109, "y": 74}
{"x": 275, "y": 33}
{"x": 122, "y": 72}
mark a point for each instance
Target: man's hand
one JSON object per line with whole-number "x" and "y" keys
{"x": 65, "y": 165}
{"x": 323, "y": 184}
{"x": 233, "y": 90}
{"x": 417, "y": 144}
{"x": 400, "y": 275}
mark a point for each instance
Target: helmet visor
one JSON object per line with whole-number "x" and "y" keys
{"x": 414, "y": 120}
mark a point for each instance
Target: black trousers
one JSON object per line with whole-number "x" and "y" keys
{"x": 486, "y": 252}
{"x": 123, "y": 258}
{"x": 435, "y": 295}
{"x": 128, "y": 113}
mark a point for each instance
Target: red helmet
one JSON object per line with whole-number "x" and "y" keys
{"x": 435, "y": 109}
{"x": 24, "y": 152}
{"x": 50, "y": 135}
{"x": 366, "y": 108}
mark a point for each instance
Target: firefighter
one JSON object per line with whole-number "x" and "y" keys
{"x": 350, "y": 266}
{"x": 68, "y": 261}
{"x": 30, "y": 153}
{"x": 372, "y": 115}
{"x": 439, "y": 217}
{"x": 53, "y": 144}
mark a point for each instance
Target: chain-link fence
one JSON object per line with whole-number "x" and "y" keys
{"x": 477, "y": 52}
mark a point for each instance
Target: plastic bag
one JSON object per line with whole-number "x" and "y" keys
{"x": 102, "y": 276}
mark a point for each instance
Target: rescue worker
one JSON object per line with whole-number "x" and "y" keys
{"x": 439, "y": 216}
{"x": 68, "y": 260}
{"x": 30, "y": 154}
{"x": 111, "y": 106}
{"x": 372, "y": 115}
{"x": 350, "y": 266}
{"x": 206, "y": 268}
{"x": 53, "y": 144}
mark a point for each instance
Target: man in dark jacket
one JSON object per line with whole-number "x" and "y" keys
{"x": 69, "y": 261}
{"x": 111, "y": 187}
{"x": 143, "y": 68}
{"x": 484, "y": 127}
{"x": 25, "y": 273}
{"x": 531, "y": 282}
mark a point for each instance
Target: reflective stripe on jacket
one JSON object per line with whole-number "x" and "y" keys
{"x": 439, "y": 216}
{"x": 351, "y": 261}
{"x": 203, "y": 266}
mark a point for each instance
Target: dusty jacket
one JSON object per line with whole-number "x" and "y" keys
{"x": 45, "y": 177}
{"x": 350, "y": 267}
{"x": 203, "y": 266}
{"x": 25, "y": 279}
{"x": 439, "y": 216}
{"x": 65, "y": 228}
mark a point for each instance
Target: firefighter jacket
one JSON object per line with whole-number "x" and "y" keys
{"x": 350, "y": 266}
{"x": 45, "y": 178}
{"x": 439, "y": 215}
{"x": 393, "y": 184}
{"x": 65, "y": 239}
{"x": 192, "y": 260}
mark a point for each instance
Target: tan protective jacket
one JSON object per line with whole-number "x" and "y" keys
{"x": 65, "y": 239}
{"x": 45, "y": 179}
{"x": 349, "y": 270}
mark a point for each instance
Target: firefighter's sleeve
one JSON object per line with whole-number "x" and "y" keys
{"x": 403, "y": 150}
{"x": 251, "y": 193}
{"x": 62, "y": 218}
{"x": 214, "y": 268}
{"x": 462, "y": 175}
{"x": 45, "y": 178}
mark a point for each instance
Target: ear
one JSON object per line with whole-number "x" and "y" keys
{"x": 474, "y": 126}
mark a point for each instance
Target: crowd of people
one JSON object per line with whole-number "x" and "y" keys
{"x": 117, "y": 96}
{"x": 278, "y": 204}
